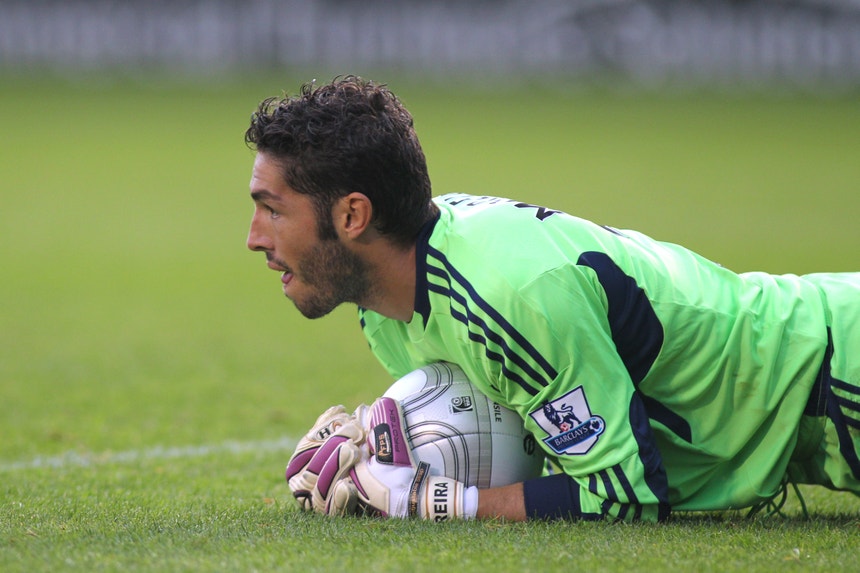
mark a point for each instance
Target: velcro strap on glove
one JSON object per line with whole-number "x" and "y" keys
{"x": 389, "y": 444}
{"x": 436, "y": 497}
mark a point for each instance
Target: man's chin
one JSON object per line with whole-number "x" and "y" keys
{"x": 314, "y": 310}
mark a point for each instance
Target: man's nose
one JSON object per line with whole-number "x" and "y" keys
{"x": 257, "y": 239}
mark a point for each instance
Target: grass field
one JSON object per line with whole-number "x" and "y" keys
{"x": 153, "y": 380}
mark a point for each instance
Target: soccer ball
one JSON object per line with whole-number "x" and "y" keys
{"x": 460, "y": 432}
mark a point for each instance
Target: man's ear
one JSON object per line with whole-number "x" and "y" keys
{"x": 352, "y": 214}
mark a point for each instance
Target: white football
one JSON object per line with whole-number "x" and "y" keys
{"x": 460, "y": 432}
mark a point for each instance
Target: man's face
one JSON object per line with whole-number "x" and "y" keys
{"x": 317, "y": 274}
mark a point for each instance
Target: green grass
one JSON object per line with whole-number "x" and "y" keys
{"x": 153, "y": 379}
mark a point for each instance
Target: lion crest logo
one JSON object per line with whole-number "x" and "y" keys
{"x": 571, "y": 428}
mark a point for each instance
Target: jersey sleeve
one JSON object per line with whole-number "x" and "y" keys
{"x": 589, "y": 416}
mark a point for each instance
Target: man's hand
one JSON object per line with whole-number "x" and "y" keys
{"x": 315, "y": 449}
{"x": 387, "y": 481}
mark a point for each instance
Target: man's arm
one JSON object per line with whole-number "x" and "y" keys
{"x": 506, "y": 502}
{"x": 555, "y": 496}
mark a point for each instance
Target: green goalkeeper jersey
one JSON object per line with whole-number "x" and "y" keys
{"x": 655, "y": 378}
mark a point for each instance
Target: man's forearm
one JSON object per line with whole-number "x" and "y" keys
{"x": 506, "y": 502}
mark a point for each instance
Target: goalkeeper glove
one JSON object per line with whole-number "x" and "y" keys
{"x": 387, "y": 481}
{"x": 316, "y": 447}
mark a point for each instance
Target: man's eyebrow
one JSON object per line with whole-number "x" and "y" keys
{"x": 262, "y": 195}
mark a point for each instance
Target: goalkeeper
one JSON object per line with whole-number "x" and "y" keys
{"x": 654, "y": 378}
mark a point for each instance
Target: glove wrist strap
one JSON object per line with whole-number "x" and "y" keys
{"x": 440, "y": 498}
{"x": 416, "y": 489}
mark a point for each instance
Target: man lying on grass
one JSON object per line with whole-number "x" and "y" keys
{"x": 654, "y": 378}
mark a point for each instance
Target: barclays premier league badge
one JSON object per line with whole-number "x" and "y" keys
{"x": 568, "y": 421}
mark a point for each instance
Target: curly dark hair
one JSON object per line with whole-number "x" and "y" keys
{"x": 351, "y": 135}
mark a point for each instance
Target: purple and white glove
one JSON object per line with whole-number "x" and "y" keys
{"x": 386, "y": 480}
{"x": 308, "y": 462}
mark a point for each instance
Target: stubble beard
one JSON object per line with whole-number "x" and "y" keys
{"x": 336, "y": 275}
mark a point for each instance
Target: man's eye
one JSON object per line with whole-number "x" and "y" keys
{"x": 272, "y": 213}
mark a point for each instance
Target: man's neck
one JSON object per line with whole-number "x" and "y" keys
{"x": 392, "y": 269}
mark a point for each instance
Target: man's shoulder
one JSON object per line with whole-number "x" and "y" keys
{"x": 483, "y": 227}
{"x": 466, "y": 211}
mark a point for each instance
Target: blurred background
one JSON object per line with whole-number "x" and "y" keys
{"x": 131, "y": 313}
{"x": 812, "y": 44}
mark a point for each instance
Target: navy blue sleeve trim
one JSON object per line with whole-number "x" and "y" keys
{"x": 553, "y": 497}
